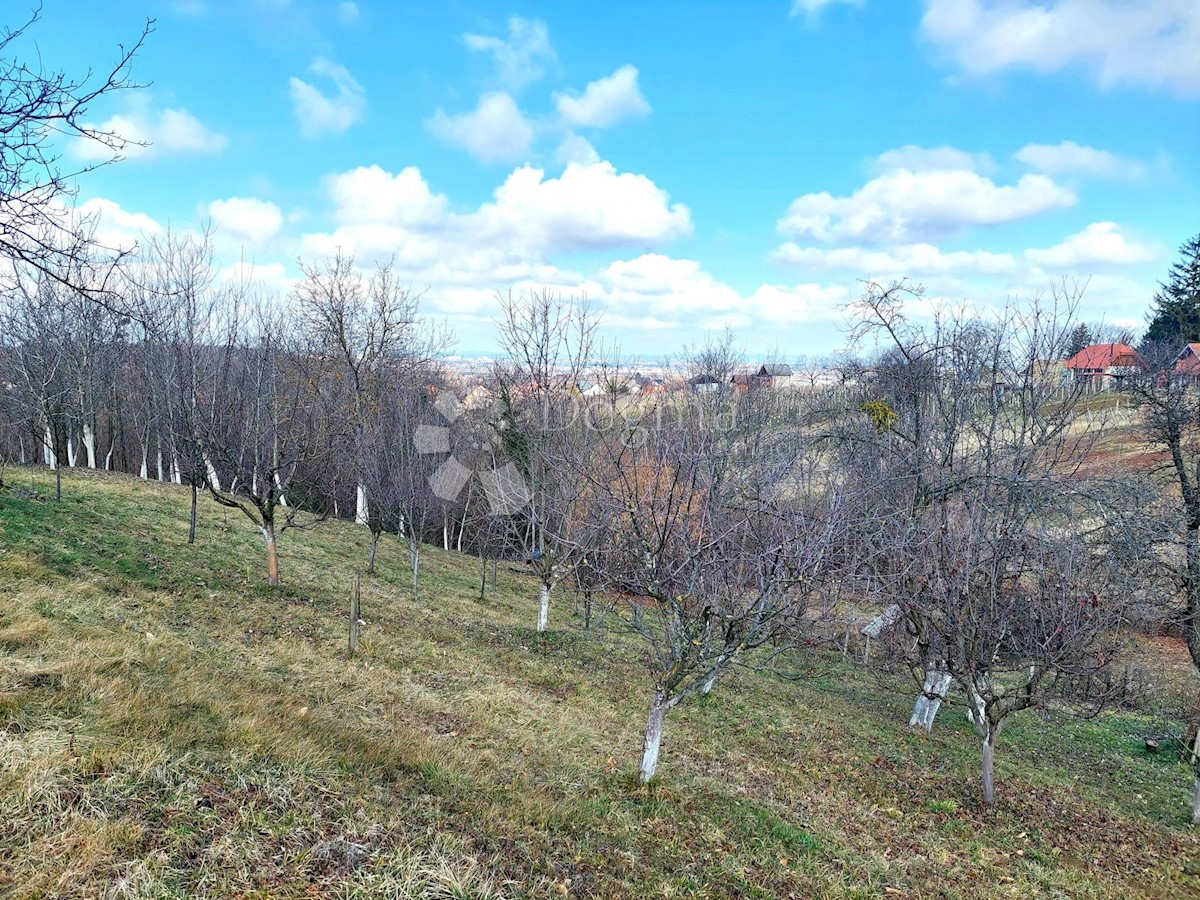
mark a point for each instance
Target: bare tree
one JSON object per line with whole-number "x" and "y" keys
{"x": 268, "y": 434}
{"x": 1167, "y": 394}
{"x": 547, "y": 343}
{"x": 718, "y": 531}
{"x": 984, "y": 529}
{"x": 39, "y": 107}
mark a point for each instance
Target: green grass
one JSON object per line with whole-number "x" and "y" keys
{"x": 171, "y": 727}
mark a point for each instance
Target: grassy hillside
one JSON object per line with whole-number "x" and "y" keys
{"x": 170, "y": 727}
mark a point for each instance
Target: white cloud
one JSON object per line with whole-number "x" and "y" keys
{"x": 115, "y": 227}
{"x": 812, "y": 8}
{"x": 903, "y": 260}
{"x": 1070, "y": 158}
{"x": 522, "y": 57}
{"x": 1153, "y": 43}
{"x": 589, "y": 206}
{"x": 605, "y": 102}
{"x": 495, "y": 131}
{"x": 247, "y": 218}
{"x": 925, "y": 159}
{"x": 147, "y": 133}
{"x": 1100, "y": 244}
{"x": 319, "y": 113}
{"x": 576, "y": 149}
{"x": 904, "y": 206}
{"x": 372, "y": 195}
{"x": 347, "y": 12}
{"x": 193, "y": 8}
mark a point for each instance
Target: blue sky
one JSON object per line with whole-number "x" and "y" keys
{"x": 685, "y": 165}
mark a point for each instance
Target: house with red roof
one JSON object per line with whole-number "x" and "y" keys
{"x": 1188, "y": 361}
{"x": 1103, "y": 364}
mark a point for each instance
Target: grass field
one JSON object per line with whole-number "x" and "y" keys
{"x": 171, "y": 727}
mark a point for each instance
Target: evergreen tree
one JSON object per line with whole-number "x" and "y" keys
{"x": 1175, "y": 314}
{"x": 1080, "y": 337}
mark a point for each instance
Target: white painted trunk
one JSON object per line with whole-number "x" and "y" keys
{"x": 652, "y": 739}
{"x": 213, "y": 478}
{"x": 712, "y": 679}
{"x": 543, "y": 607}
{"x": 162, "y": 472}
{"x": 176, "y": 475}
{"x": 89, "y": 445}
{"x": 108, "y": 458}
{"x": 49, "y": 457}
{"x": 279, "y": 487}
{"x": 145, "y": 473}
{"x": 1196, "y": 802}
{"x": 72, "y": 455}
{"x": 362, "y": 511}
{"x": 937, "y": 682}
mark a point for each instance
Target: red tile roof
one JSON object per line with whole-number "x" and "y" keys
{"x": 1100, "y": 357}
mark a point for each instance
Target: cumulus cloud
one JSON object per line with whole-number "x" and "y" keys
{"x": 1070, "y": 158}
{"x": 145, "y": 133}
{"x": 247, "y": 218}
{"x": 1149, "y": 43}
{"x": 321, "y": 113}
{"x": 576, "y": 149}
{"x": 522, "y": 57}
{"x": 495, "y": 131}
{"x": 902, "y": 205}
{"x": 605, "y": 102}
{"x": 589, "y": 206}
{"x": 1100, "y": 244}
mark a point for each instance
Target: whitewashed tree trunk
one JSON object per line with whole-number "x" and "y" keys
{"x": 176, "y": 475}
{"x": 145, "y": 472}
{"x": 937, "y": 682}
{"x": 1196, "y": 802}
{"x": 213, "y": 478}
{"x": 89, "y": 445}
{"x": 362, "y": 512}
{"x": 279, "y": 487}
{"x": 543, "y": 607}
{"x": 48, "y": 455}
{"x": 712, "y": 679}
{"x": 108, "y": 457}
{"x": 72, "y": 454}
{"x": 989, "y": 763}
{"x": 162, "y": 473}
{"x": 652, "y": 739}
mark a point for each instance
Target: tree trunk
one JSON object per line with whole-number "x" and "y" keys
{"x": 268, "y": 531}
{"x": 1196, "y": 802}
{"x": 72, "y": 455}
{"x": 712, "y": 679}
{"x": 192, "y": 516}
{"x": 372, "y": 551}
{"x": 989, "y": 763}
{"x": 48, "y": 449}
{"x": 937, "y": 682}
{"x": 543, "y": 607}
{"x": 213, "y": 478}
{"x": 89, "y": 445}
{"x": 145, "y": 472}
{"x": 652, "y": 739}
{"x": 362, "y": 513}
{"x": 414, "y": 560}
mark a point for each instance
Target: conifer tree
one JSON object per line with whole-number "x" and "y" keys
{"x": 1175, "y": 313}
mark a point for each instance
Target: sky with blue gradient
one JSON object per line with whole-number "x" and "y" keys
{"x": 684, "y": 165}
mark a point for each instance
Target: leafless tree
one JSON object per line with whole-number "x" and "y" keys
{"x": 39, "y": 109}
{"x": 718, "y": 532}
{"x": 985, "y": 529}
{"x": 268, "y": 435}
{"x": 1167, "y": 394}
{"x": 546, "y": 343}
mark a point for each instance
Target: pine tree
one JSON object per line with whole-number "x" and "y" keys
{"x": 1080, "y": 337}
{"x": 1175, "y": 314}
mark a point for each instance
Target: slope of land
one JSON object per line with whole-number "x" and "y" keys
{"x": 171, "y": 727}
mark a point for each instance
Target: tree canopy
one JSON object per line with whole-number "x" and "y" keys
{"x": 1175, "y": 312}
